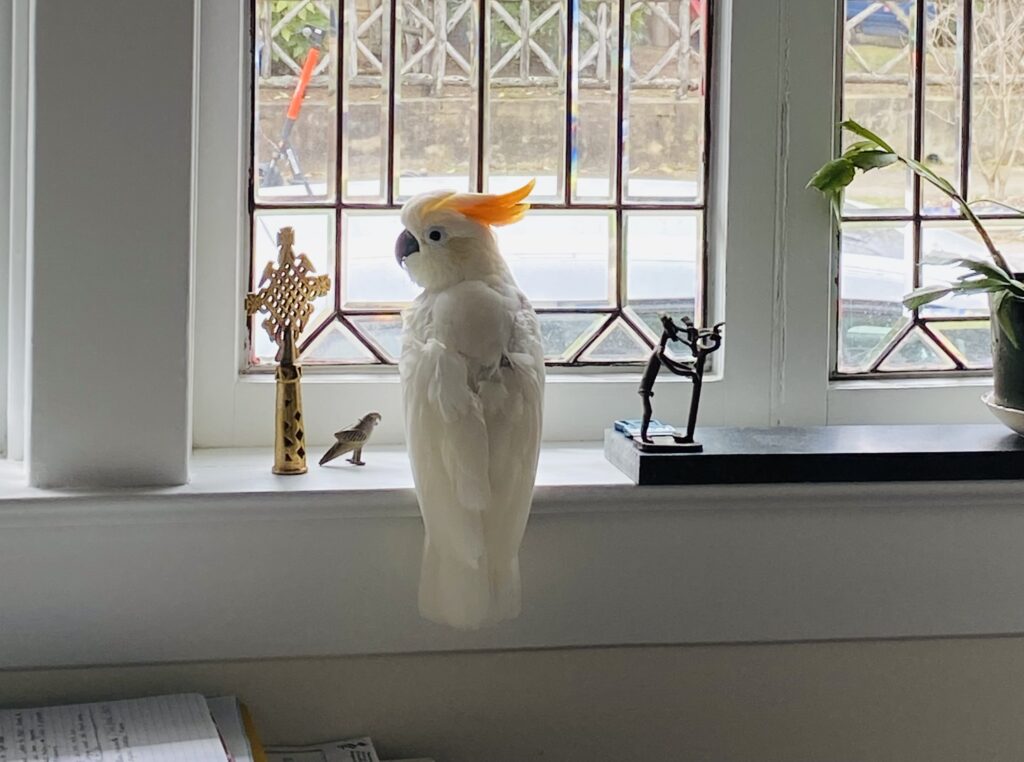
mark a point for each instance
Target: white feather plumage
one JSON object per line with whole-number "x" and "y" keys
{"x": 472, "y": 369}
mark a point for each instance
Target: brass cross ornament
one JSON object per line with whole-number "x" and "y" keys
{"x": 286, "y": 295}
{"x": 287, "y": 291}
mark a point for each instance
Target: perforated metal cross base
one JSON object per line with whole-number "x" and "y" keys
{"x": 289, "y": 471}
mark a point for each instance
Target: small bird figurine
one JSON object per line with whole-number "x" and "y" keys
{"x": 352, "y": 440}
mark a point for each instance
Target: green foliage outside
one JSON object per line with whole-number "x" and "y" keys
{"x": 290, "y": 37}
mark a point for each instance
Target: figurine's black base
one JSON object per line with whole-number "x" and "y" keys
{"x": 666, "y": 444}
{"x": 827, "y": 454}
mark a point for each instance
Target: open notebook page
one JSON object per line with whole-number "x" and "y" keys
{"x": 160, "y": 729}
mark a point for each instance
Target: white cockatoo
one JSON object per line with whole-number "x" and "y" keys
{"x": 472, "y": 369}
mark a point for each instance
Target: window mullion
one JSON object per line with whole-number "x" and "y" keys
{"x": 966, "y": 52}
{"x": 804, "y": 232}
{"x": 741, "y": 207}
{"x": 394, "y": 68}
{"x": 483, "y": 64}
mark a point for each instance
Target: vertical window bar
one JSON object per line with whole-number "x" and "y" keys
{"x": 253, "y": 73}
{"x": 966, "y": 51}
{"x": 920, "y": 25}
{"x": 621, "y": 166}
{"x": 394, "y": 72}
{"x": 341, "y": 124}
{"x": 707, "y": 35}
{"x": 571, "y": 67}
{"x": 622, "y": 53}
{"x": 482, "y": 64}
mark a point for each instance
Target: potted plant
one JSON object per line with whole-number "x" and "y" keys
{"x": 995, "y": 278}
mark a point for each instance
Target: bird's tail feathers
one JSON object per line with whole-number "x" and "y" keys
{"x": 331, "y": 454}
{"x": 467, "y": 598}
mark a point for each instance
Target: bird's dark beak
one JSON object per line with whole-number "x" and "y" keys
{"x": 405, "y": 245}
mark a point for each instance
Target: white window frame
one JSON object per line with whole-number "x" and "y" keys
{"x": 16, "y": 43}
{"x": 773, "y": 249}
{"x": 6, "y": 81}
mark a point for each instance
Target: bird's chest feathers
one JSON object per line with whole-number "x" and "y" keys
{"x": 471, "y": 318}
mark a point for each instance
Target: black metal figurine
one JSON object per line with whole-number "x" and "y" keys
{"x": 701, "y": 342}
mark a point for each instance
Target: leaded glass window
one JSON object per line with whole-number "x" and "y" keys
{"x": 943, "y": 82}
{"x": 604, "y": 102}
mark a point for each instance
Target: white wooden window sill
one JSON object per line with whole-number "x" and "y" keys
{"x": 241, "y": 563}
{"x": 572, "y": 477}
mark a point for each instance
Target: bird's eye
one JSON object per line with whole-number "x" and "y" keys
{"x": 435, "y": 234}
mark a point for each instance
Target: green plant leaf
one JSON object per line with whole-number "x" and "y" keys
{"x": 859, "y": 146}
{"x": 868, "y": 160}
{"x": 1011, "y": 207}
{"x": 858, "y": 129}
{"x": 1001, "y": 311}
{"x": 940, "y": 182}
{"x": 835, "y": 201}
{"x": 988, "y": 269}
{"x": 978, "y": 285}
{"x": 834, "y": 176}
{"x": 925, "y": 295}
{"x": 968, "y": 284}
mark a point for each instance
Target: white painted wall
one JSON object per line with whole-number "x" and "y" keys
{"x": 110, "y": 261}
{"x": 940, "y": 701}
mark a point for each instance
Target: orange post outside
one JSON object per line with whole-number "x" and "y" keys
{"x": 300, "y": 91}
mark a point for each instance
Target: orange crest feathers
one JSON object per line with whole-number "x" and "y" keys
{"x": 490, "y": 209}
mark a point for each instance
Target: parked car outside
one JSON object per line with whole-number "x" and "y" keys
{"x": 887, "y": 24}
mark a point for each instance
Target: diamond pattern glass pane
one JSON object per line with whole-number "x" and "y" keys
{"x": 917, "y": 352}
{"x": 969, "y": 340}
{"x": 336, "y": 344}
{"x": 619, "y": 343}
{"x": 564, "y": 333}
{"x": 384, "y": 330}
